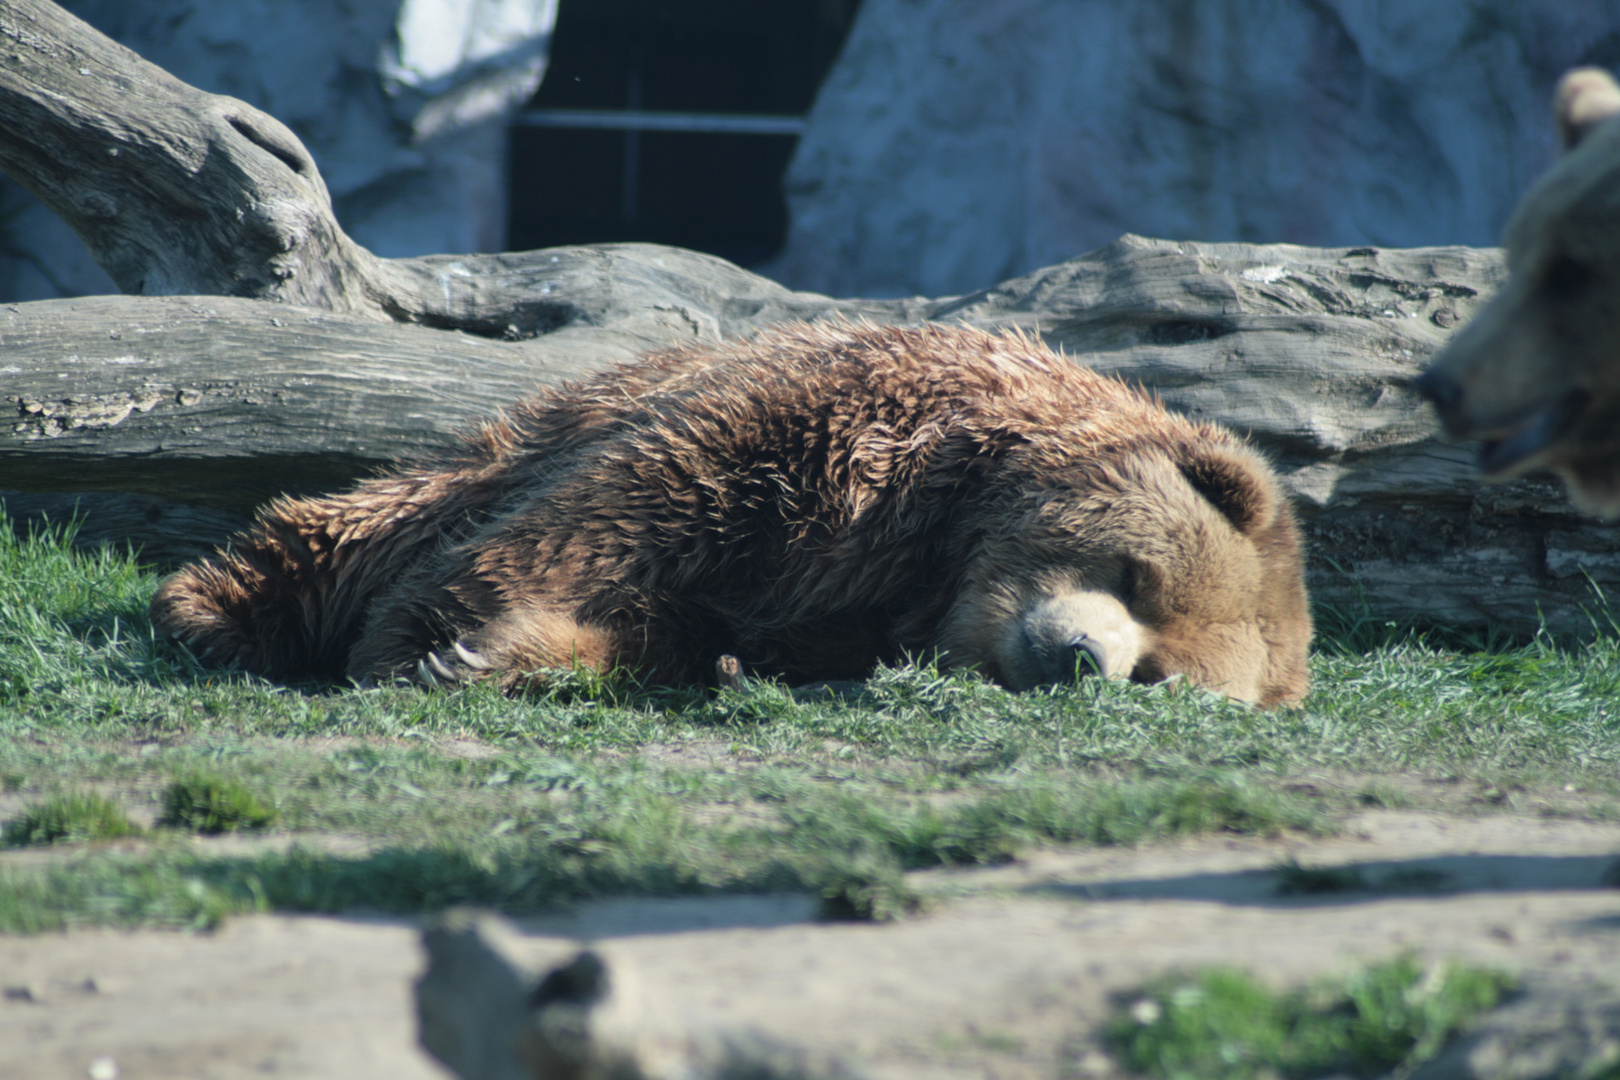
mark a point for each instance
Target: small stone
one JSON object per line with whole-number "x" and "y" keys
{"x": 1146, "y": 1012}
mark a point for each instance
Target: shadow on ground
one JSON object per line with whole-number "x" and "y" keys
{"x": 1293, "y": 885}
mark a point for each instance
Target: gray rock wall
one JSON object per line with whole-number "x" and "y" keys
{"x": 403, "y": 103}
{"x": 958, "y": 142}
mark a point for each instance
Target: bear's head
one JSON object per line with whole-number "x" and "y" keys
{"x": 1151, "y": 562}
{"x": 1535, "y": 375}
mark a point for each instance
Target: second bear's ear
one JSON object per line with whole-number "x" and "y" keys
{"x": 1586, "y": 98}
{"x": 1234, "y": 485}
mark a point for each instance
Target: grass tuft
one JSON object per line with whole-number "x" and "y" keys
{"x": 202, "y": 803}
{"x": 1221, "y": 1024}
{"x": 870, "y": 889}
{"x": 70, "y": 818}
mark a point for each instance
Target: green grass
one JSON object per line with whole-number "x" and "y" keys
{"x": 70, "y": 818}
{"x": 203, "y": 803}
{"x": 1222, "y": 1024}
{"x": 624, "y": 830}
{"x": 402, "y": 800}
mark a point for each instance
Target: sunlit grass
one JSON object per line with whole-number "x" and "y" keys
{"x": 69, "y": 818}
{"x": 606, "y": 785}
{"x": 1221, "y": 1024}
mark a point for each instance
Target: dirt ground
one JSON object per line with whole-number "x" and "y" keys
{"x": 1007, "y": 976}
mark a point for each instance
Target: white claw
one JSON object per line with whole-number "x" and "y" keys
{"x": 440, "y": 668}
{"x": 425, "y": 674}
{"x": 471, "y": 659}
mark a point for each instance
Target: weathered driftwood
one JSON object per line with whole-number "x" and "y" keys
{"x": 194, "y": 409}
{"x": 172, "y": 189}
{"x": 163, "y": 421}
{"x": 176, "y": 191}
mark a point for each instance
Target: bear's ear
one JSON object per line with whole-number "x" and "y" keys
{"x": 1586, "y": 98}
{"x": 1234, "y": 483}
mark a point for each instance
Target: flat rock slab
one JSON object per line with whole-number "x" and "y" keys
{"x": 1009, "y": 975}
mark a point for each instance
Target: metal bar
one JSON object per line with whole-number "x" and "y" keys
{"x": 630, "y": 192}
{"x": 629, "y": 120}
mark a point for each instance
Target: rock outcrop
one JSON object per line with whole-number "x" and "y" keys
{"x": 956, "y": 142}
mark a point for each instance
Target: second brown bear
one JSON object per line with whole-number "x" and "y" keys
{"x": 815, "y": 500}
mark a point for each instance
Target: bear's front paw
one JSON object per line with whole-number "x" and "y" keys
{"x": 456, "y": 666}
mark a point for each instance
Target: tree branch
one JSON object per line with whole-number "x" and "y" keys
{"x": 173, "y": 190}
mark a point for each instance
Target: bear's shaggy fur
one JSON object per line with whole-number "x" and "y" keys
{"x": 1536, "y": 374}
{"x": 814, "y": 501}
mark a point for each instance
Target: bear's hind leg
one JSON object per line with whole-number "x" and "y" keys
{"x": 426, "y": 644}
{"x": 261, "y": 606}
{"x": 287, "y": 597}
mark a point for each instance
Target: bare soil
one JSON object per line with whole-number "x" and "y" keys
{"x": 1008, "y": 974}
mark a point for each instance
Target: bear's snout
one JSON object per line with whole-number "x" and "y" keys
{"x": 1071, "y": 634}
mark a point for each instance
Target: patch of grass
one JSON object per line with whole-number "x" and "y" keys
{"x": 1000, "y": 825}
{"x": 599, "y": 784}
{"x": 69, "y": 818}
{"x": 624, "y": 830}
{"x": 866, "y": 890}
{"x": 1222, "y": 1024}
{"x": 1384, "y": 797}
{"x": 202, "y": 803}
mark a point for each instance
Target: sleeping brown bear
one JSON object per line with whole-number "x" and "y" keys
{"x": 815, "y": 501}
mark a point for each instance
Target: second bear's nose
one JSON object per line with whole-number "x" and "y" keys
{"x": 1441, "y": 389}
{"x": 1090, "y": 657}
